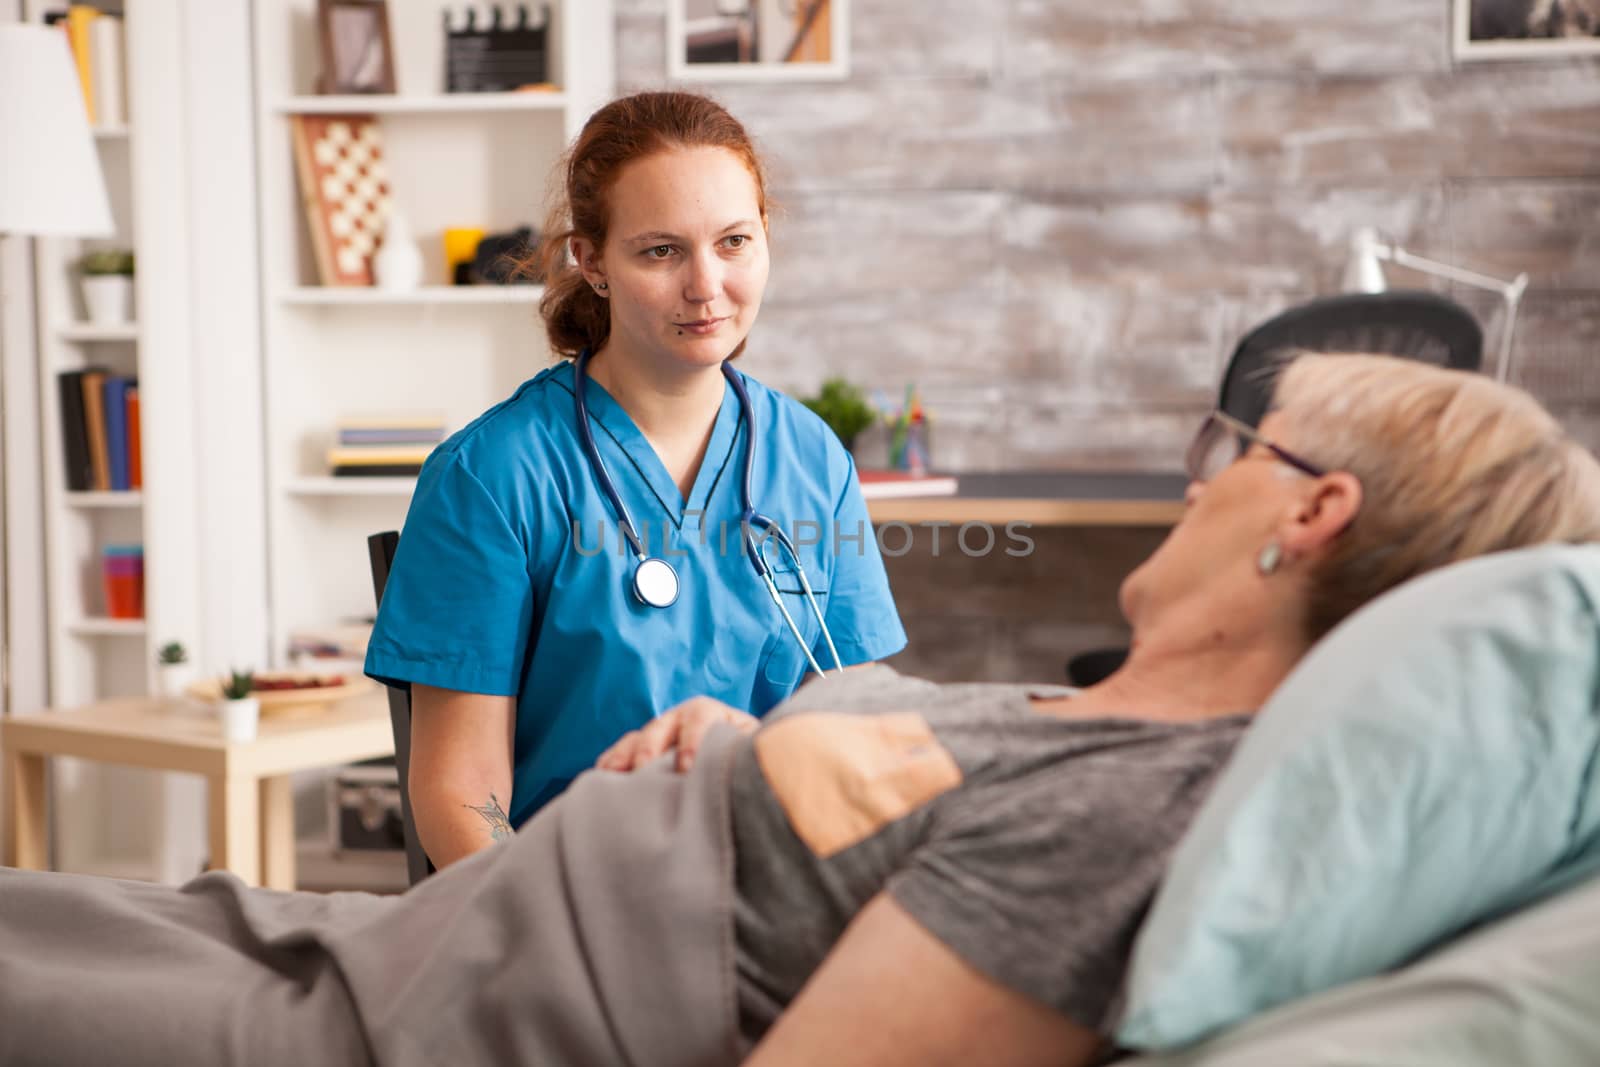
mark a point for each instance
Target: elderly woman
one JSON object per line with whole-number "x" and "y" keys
{"x": 884, "y": 872}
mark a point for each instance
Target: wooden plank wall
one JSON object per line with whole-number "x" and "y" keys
{"x": 1058, "y": 216}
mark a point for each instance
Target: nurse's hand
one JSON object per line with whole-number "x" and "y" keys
{"x": 682, "y": 728}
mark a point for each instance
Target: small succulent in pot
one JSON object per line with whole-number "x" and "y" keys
{"x": 107, "y": 261}
{"x": 172, "y": 652}
{"x": 237, "y": 684}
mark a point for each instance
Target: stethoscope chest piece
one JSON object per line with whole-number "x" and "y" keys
{"x": 655, "y": 583}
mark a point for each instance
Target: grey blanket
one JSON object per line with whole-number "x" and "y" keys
{"x": 601, "y": 934}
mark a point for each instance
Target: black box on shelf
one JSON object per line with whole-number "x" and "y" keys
{"x": 364, "y": 802}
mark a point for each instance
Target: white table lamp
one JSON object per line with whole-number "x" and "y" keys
{"x": 50, "y": 178}
{"x": 1364, "y": 274}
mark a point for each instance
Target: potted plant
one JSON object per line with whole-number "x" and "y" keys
{"x": 241, "y": 710}
{"x": 108, "y": 285}
{"x": 174, "y": 672}
{"x": 843, "y": 407}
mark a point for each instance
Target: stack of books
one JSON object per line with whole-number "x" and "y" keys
{"x": 384, "y": 445}
{"x": 336, "y": 649}
{"x": 122, "y": 571}
{"x": 100, "y": 430}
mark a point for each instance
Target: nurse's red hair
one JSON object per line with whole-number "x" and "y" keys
{"x": 634, "y": 127}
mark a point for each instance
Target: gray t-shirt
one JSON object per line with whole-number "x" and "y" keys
{"x": 1029, "y": 844}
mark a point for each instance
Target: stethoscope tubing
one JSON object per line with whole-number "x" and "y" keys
{"x": 750, "y": 519}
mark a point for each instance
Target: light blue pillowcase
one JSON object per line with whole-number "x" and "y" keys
{"x": 1430, "y": 764}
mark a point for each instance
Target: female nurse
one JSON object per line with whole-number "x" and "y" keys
{"x": 588, "y": 553}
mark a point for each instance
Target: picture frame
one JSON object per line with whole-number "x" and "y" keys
{"x": 758, "y": 40}
{"x": 1524, "y": 29}
{"x": 357, "y": 52}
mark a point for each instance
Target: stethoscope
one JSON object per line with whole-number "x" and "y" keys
{"x": 655, "y": 582}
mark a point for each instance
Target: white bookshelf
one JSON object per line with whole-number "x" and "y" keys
{"x": 80, "y": 525}
{"x": 90, "y": 333}
{"x": 460, "y": 295}
{"x": 419, "y": 104}
{"x": 132, "y": 498}
{"x": 396, "y": 487}
{"x": 101, "y": 627}
{"x": 461, "y": 160}
{"x": 106, "y": 821}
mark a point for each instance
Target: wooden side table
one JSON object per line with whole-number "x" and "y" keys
{"x": 248, "y": 785}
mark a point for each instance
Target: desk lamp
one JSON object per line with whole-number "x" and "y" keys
{"x": 50, "y": 180}
{"x": 1364, "y": 274}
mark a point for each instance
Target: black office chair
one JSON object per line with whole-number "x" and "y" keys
{"x": 381, "y": 548}
{"x": 1414, "y": 324}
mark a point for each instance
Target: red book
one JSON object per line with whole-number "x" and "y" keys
{"x": 135, "y": 445}
{"x": 882, "y": 484}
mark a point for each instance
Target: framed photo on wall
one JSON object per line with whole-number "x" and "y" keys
{"x": 758, "y": 40}
{"x": 1525, "y": 29}
{"x": 357, "y": 55}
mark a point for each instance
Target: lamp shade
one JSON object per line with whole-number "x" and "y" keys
{"x": 1363, "y": 273}
{"x": 50, "y": 178}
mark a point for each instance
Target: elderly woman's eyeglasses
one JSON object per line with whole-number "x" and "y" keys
{"x": 1223, "y": 439}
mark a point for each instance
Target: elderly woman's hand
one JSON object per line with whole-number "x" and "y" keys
{"x": 682, "y": 728}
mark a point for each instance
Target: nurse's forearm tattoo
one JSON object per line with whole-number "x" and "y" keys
{"x": 495, "y": 816}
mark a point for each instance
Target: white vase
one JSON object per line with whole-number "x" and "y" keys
{"x": 108, "y": 298}
{"x": 398, "y": 265}
{"x": 240, "y": 719}
{"x": 173, "y": 680}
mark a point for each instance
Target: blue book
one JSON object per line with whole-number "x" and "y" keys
{"x": 399, "y": 436}
{"x": 116, "y": 415}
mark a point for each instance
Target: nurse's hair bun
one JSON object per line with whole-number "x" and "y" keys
{"x": 633, "y": 127}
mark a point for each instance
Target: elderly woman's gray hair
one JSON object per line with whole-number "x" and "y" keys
{"x": 1452, "y": 465}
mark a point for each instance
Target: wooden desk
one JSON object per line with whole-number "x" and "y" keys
{"x": 1046, "y": 499}
{"x": 248, "y": 785}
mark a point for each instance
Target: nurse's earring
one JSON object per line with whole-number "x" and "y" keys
{"x": 601, "y": 287}
{"x": 1267, "y": 562}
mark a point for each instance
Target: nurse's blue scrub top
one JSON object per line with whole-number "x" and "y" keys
{"x": 512, "y": 577}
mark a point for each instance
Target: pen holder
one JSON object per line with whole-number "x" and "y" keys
{"x": 910, "y": 447}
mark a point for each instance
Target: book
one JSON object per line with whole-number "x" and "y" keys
{"x": 378, "y": 470}
{"x": 398, "y": 436}
{"x": 74, "y": 432}
{"x": 106, "y": 50}
{"x": 380, "y": 455}
{"x": 889, "y": 484}
{"x": 398, "y": 420}
{"x": 135, "y": 439}
{"x": 116, "y": 415}
{"x": 80, "y": 17}
{"x": 94, "y": 418}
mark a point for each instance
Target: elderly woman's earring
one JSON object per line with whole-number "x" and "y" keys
{"x": 601, "y": 287}
{"x": 1267, "y": 562}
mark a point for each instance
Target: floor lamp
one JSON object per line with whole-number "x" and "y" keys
{"x": 1364, "y": 274}
{"x": 51, "y": 185}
